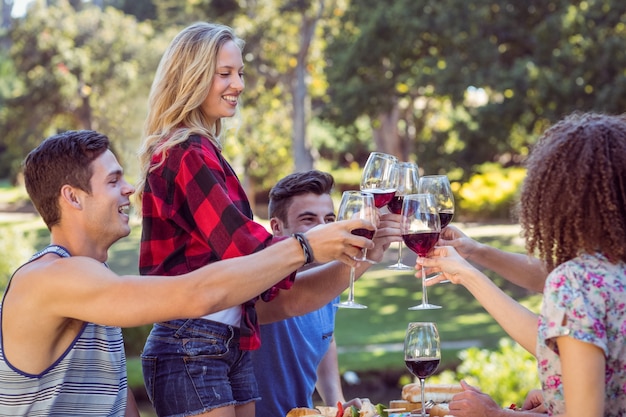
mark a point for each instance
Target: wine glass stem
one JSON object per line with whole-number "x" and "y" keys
{"x": 399, "y": 253}
{"x": 351, "y": 292}
{"x": 423, "y": 405}
{"x": 424, "y": 295}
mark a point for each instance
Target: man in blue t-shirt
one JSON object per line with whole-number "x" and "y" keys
{"x": 299, "y": 354}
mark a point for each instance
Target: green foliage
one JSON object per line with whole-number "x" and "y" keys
{"x": 135, "y": 338}
{"x": 526, "y": 64}
{"x": 506, "y": 374}
{"x": 77, "y": 70}
{"x": 135, "y": 373}
{"x": 491, "y": 193}
{"x": 16, "y": 246}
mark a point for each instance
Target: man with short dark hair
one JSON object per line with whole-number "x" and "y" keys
{"x": 299, "y": 354}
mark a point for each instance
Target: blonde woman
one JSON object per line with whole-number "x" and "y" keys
{"x": 195, "y": 212}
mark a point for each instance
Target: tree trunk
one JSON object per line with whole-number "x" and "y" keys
{"x": 302, "y": 156}
{"x": 5, "y": 10}
{"x": 386, "y": 134}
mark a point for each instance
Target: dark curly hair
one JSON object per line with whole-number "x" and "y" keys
{"x": 573, "y": 199}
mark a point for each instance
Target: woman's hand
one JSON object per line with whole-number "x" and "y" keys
{"x": 445, "y": 259}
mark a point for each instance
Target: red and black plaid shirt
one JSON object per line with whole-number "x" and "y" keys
{"x": 195, "y": 212}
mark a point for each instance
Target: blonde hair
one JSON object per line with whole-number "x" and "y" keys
{"x": 181, "y": 84}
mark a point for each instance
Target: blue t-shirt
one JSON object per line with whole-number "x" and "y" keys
{"x": 286, "y": 364}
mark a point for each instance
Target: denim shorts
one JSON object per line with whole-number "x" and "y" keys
{"x": 193, "y": 366}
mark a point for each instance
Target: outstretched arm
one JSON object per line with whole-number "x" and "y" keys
{"x": 317, "y": 286}
{"x": 519, "y": 322}
{"x": 523, "y": 270}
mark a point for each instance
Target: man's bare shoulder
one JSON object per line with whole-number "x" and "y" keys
{"x": 52, "y": 266}
{"x": 35, "y": 332}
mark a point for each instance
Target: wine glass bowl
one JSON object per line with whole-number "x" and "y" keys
{"x": 439, "y": 187}
{"x": 422, "y": 352}
{"x": 408, "y": 177}
{"x": 379, "y": 177}
{"x": 356, "y": 205}
{"x": 420, "y": 227}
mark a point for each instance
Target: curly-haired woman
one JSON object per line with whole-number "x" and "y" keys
{"x": 573, "y": 216}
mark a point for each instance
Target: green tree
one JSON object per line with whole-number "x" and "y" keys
{"x": 78, "y": 70}
{"x": 463, "y": 82}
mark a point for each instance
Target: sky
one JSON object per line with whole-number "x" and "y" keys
{"x": 19, "y": 7}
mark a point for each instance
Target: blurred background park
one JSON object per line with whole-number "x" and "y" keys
{"x": 461, "y": 87}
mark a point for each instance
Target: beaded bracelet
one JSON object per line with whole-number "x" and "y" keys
{"x": 306, "y": 247}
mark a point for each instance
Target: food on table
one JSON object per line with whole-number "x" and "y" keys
{"x": 367, "y": 410}
{"x": 404, "y": 405}
{"x": 438, "y": 393}
{"x": 440, "y": 410}
{"x": 303, "y": 411}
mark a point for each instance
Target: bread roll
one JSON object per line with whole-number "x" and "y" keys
{"x": 440, "y": 410}
{"x": 404, "y": 404}
{"x": 438, "y": 393}
{"x": 303, "y": 411}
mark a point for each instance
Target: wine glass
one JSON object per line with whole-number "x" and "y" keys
{"x": 379, "y": 177}
{"x": 408, "y": 177}
{"x": 439, "y": 187}
{"x": 422, "y": 352}
{"x": 420, "y": 227}
{"x": 356, "y": 205}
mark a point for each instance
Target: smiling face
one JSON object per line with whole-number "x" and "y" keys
{"x": 305, "y": 212}
{"x": 227, "y": 84}
{"x": 106, "y": 207}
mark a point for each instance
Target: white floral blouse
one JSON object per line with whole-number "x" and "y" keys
{"x": 588, "y": 295}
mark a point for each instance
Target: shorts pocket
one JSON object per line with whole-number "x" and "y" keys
{"x": 148, "y": 367}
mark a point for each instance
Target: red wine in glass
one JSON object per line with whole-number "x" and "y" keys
{"x": 445, "y": 218}
{"x": 422, "y": 367}
{"x": 421, "y": 242}
{"x": 381, "y": 196}
{"x": 422, "y": 352}
{"x": 395, "y": 205}
{"x": 364, "y": 232}
{"x": 420, "y": 229}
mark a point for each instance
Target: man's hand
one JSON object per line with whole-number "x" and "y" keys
{"x": 388, "y": 231}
